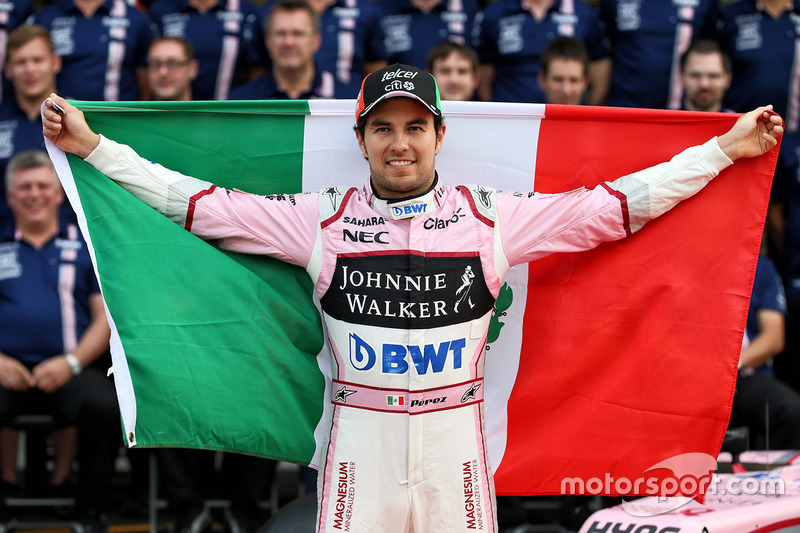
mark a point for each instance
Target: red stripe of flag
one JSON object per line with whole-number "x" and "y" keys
{"x": 630, "y": 351}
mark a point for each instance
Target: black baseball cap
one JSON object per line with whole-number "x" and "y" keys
{"x": 398, "y": 80}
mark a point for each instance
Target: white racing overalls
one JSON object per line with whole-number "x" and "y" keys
{"x": 407, "y": 291}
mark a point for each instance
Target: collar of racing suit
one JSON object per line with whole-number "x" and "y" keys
{"x": 410, "y": 206}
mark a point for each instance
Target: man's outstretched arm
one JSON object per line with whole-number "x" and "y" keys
{"x": 237, "y": 221}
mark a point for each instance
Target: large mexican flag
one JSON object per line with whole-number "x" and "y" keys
{"x": 605, "y": 362}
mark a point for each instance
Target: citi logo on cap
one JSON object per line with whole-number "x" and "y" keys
{"x": 399, "y": 73}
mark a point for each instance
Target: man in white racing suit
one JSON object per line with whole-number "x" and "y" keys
{"x": 407, "y": 270}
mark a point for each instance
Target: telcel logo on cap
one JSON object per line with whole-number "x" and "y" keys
{"x": 399, "y": 73}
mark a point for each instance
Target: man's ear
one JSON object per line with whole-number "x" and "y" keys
{"x": 440, "y": 139}
{"x": 361, "y": 144}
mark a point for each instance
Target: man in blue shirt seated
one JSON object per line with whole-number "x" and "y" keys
{"x": 761, "y": 401}
{"x": 292, "y": 38}
{"x": 54, "y": 328}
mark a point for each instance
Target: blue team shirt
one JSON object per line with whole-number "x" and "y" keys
{"x": 786, "y": 190}
{"x": 767, "y": 294}
{"x": 101, "y": 54}
{"x": 12, "y": 14}
{"x": 227, "y": 41}
{"x": 19, "y": 133}
{"x": 648, "y": 39}
{"x": 410, "y": 33}
{"x": 352, "y": 36}
{"x": 266, "y": 88}
{"x": 509, "y": 38}
{"x": 44, "y": 295}
{"x": 766, "y": 67}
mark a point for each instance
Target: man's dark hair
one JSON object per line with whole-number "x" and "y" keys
{"x": 565, "y": 48}
{"x": 445, "y": 48}
{"x": 25, "y": 34}
{"x": 188, "y": 49}
{"x": 292, "y": 5}
{"x": 706, "y": 46}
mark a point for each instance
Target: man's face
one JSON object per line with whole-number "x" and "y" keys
{"x": 32, "y": 69}
{"x": 565, "y": 81}
{"x": 34, "y": 196}
{"x": 704, "y": 82}
{"x": 401, "y": 144}
{"x": 169, "y": 71}
{"x": 455, "y": 76}
{"x": 291, "y": 39}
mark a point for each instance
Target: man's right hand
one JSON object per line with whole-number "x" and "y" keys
{"x": 68, "y": 129}
{"x": 14, "y": 376}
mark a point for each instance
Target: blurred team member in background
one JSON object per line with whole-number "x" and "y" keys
{"x": 352, "y": 42}
{"x": 647, "y": 41}
{"x": 31, "y": 68}
{"x": 455, "y": 67}
{"x": 103, "y": 48}
{"x": 705, "y": 76}
{"x": 171, "y": 68}
{"x": 511, "y": 36}
{"x": 292, "y": 38}
{"x": 564, "y": 76}
{"x": 225, "y": 35}
{"x": 414, "y": 27}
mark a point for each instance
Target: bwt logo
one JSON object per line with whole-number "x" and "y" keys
{"x": 393, "y": 356}
{"x": 413, "y": 209}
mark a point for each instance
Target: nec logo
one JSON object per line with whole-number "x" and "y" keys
{"x": 393, "y": 356}
{"x": 365, "y": 236}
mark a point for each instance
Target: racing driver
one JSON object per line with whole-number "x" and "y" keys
{"x": 407, "y": 309}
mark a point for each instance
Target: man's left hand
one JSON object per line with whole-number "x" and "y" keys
{"x": 753, "y": 134}
{"x": 51, "y": 374}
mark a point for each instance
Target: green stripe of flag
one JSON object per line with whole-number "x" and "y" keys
{"x": 263, "y": 397}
